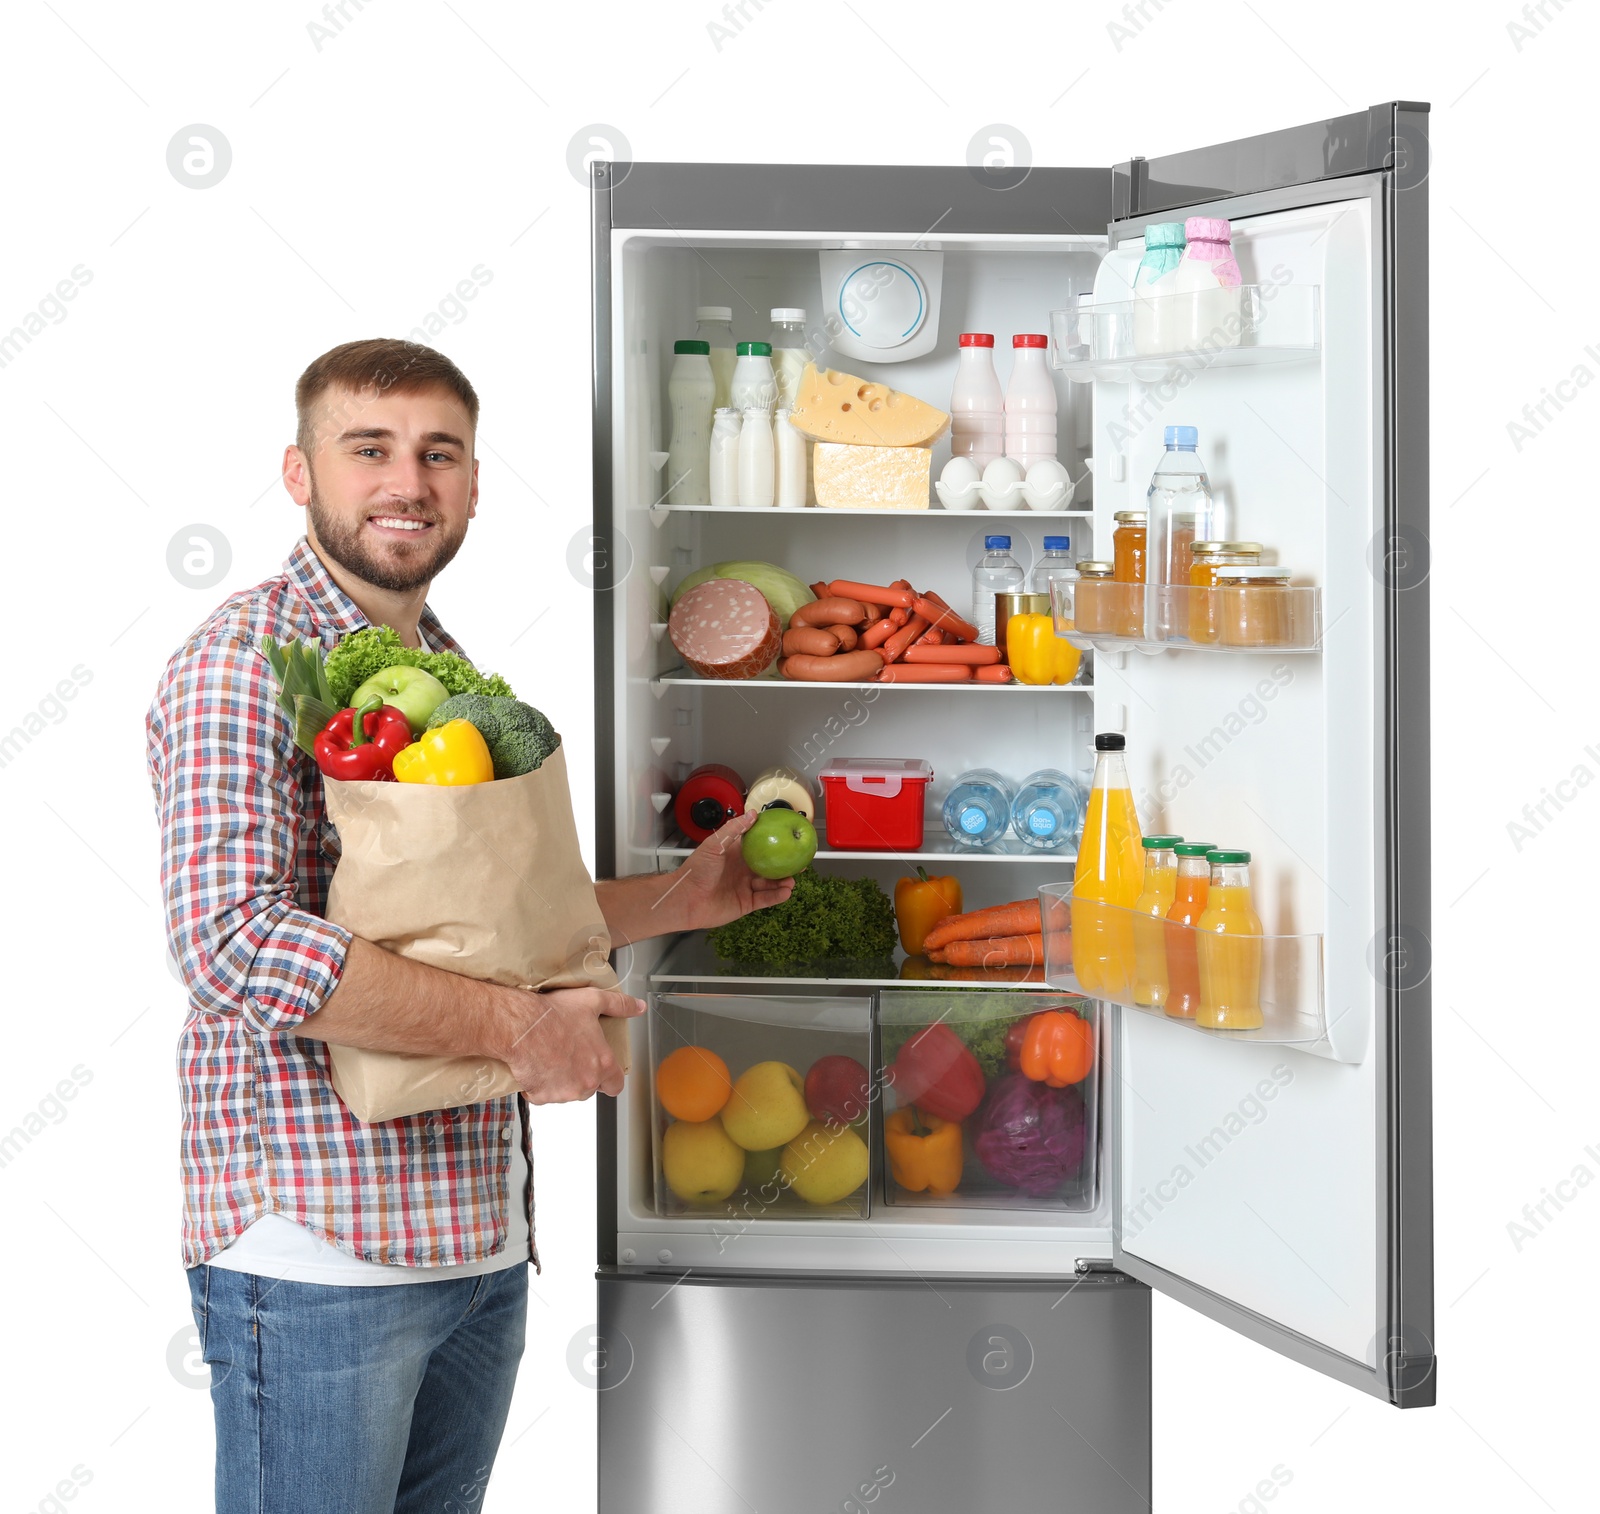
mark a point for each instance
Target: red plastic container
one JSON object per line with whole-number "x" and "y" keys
{"x": 875, "y": 803}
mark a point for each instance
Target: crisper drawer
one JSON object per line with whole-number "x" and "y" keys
{"x": 990, "y": 1099}
{"x": 798, "y": 1394}
{"x": 760, "y": 1105}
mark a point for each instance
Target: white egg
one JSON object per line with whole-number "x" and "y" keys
{"x": 1002, "y": 473}
{"x": 1047, "y": 474}
{"x": 1048, "y": 486}
{"x": 959, "y": 473}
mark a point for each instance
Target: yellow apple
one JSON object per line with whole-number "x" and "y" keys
{"x": 825, "y": 1163}
{"x": 767, "y": 1107}
{"x": 702, "y": 1166}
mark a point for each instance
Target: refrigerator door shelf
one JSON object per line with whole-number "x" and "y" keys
{"x": 754, "y": 1149}
{"x": 936, "y": 848}
{"x": 1286, "y": 972}
{"x": 1251, "y": 325}
{"x": 1192, "y": 618}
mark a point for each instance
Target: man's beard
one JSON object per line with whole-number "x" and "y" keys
{"x": 412, "y": 566}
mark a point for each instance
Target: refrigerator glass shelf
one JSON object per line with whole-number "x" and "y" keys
{"x": 1227, "y": 619}
{"x": 937, "y": 847}
{"x": 816, "y": 511}
{"x": 683, "y": 676}
{"x": 690, "y": 959}
{"x": 1155, "y": 340}
{"x": 1283, "y": 974}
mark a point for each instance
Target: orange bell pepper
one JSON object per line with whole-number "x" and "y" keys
{"x": 920, "y": 903}
{"x": 924, "y": 1151}
{"x": 1057, "y": 1048}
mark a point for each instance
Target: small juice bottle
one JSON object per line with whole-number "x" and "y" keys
{"x": 1229, "y": 948}
{"x": 1188, "y": 901}
{"x": 1110, "y": 871}
{"x": 1149, "y": 917}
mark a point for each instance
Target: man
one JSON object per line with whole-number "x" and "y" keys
{"x": 335, "y": 1386}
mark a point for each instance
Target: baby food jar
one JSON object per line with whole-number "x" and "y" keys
{"x": 1093, "y": 598}
{"x": 1253, "y": 607}
{"x": 1208, "y": 558}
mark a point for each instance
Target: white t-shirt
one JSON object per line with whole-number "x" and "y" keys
{"x": 276, "y": 1246}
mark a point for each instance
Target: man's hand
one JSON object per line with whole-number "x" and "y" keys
{"x": 715, "y": 883}
{"x": 555, "y": 1047}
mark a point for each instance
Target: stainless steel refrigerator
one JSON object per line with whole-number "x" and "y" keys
{"x": 944, "y": 1356}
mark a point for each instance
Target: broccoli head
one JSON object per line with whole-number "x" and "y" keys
{"x": 519, "y": 738}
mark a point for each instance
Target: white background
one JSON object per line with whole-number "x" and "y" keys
{"x": 369, "y": 175}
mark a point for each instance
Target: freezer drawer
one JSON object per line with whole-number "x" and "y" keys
{"x": 801, "y": 1394}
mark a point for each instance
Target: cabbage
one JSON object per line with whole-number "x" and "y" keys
{"x": 1028, "y": 1135}
{"x": 780, "y": 588}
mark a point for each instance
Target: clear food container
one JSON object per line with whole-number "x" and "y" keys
{"x": 760, "y": 1105}
{"x": 990, "y": 1099}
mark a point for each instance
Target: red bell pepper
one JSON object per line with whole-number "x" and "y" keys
{"x": 936, "y": 1071}
{"x": 348, "y": 751}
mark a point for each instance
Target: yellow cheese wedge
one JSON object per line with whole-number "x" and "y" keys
{"x": 839, "y": 407}
{"x": 872, "y": 478}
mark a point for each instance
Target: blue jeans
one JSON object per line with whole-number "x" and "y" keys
{"x": 386, "y": 1400}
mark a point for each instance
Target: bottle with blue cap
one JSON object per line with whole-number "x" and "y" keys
{"x": 998, "y": 572}
{"x": 1179, "y": 512}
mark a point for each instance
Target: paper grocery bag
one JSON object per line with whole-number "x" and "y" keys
{"x": 485, "y": 880}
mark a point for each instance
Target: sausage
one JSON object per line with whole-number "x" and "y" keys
{"x": 820, "y": 590}
{"x": 874, "y": 612}
{"x": 941, "y": 615}
{"x": 877, "y": 594}
{"x": 994, "y": 672}
{"x": 878, "y": 632}
{"x": 847, "y": 637}
{"x": 895, "y": 646}
{"x": 932, "y": 637}
{"x": 846, "y": 667}
{"x": 813, "y": 641}
{"x": 926, "y": 672}
{"x": 828, "y": 612}
{"x": 980, "y": 655}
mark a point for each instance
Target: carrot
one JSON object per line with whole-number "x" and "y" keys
{"x": 895, "y": 646}
{"x": 996, "y": 951}
{"x": 878, "y": 632}
{"x": 877, "y": 594}
{"x": 1018, "y": 918}
{"x": 944, "y": 617}
{"x": 925, "y": 672}
{"x": 1017, "y": 973}
{"x": 994, "y": 672}
{"x": 973, "y": 656}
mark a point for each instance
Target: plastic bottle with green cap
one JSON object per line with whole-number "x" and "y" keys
{"x": 1228, "y": 939}
{"x": 1149, "y": 923}
{"x": 691, "y": 388}
{"x": 754, "y": 385}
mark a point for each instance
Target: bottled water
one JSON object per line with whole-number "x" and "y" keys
{"x": 1179, "y": 511}
{"x": 1048, "y": 811}
{"x": 1056, "y": 563}
{"x": 978, "y": 808}
{"x": 998, "y": 572}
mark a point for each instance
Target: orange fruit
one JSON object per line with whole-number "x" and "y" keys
{"x": 693, "y": 1083}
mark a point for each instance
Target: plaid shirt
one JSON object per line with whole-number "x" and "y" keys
{"x": 246, "y": 857}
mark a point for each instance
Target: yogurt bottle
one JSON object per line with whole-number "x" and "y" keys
{"x": 724, "y": 468}
{"x": 714, "y": 326}
{"x": 757, "y": 464}
{"x": 977, "y": 403}
{"x": 1030, "y": 403}
{"x": 789, "y": 353}
{"x": 690, "y": 390}
{"x": 789, "y": 454}
{"x": 753, "y": 386}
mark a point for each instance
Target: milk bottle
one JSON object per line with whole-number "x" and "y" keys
{"x": 690, "y": 389}
{"x": 977, "y": 403}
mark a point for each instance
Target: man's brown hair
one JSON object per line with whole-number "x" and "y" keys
{"x": 372, "y": 368}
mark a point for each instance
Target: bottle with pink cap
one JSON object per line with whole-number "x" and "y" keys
{"x": 977, "y": 403}
{"x": 1208, "y": 271}
{"x": 1030, "y": 402}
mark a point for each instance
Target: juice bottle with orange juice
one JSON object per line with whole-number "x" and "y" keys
{"x": 1229, "y": 947}
{"x": 1110, "y": 871}
{"x": 1149, "y": 921}
{"x": 1188, "y": 903}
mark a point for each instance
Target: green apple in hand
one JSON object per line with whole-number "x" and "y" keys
{"x": 415, "y": 692}
{"x": 780, "y": 844}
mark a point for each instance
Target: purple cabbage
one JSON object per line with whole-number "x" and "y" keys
{"x": 1028, "y": 1135}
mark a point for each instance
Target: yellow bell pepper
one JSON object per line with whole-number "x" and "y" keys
{"x": 1037, "y": 654}
{"x": 454, "y": 753}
